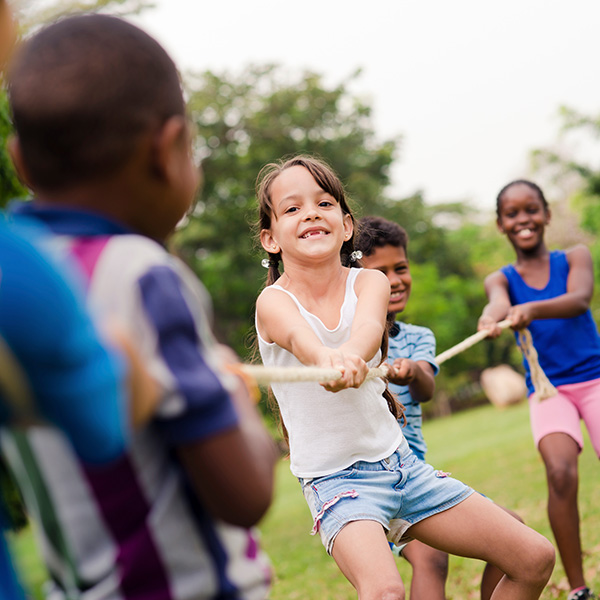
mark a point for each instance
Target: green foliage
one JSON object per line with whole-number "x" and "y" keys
{"x": 584, "y": 178}
{"x": 10, "y": 187}
{"x": 244, "y": 122}
{"x": 11, "y": 499}
{"x": 34, "y": 14}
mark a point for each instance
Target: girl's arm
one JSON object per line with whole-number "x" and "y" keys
{"x": 498, "y": 306}
{"x": 372, "y": 288}
{"x": 279, "y": 321}
{"x": 576, "y": 300}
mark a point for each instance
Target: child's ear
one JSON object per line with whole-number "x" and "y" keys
{"x": 348, "y": 227}
{"x": 170, "y": 146}
{"x": 499, "y": 225}
{"x": 16, "y": 155}
{"x": 268, "y": 243}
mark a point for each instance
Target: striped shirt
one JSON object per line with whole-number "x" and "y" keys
{"x": 416, "y": 343}
{"x": 133, "y": 529}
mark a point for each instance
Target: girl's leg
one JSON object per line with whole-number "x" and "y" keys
{"x": 477, "y": 528}
{"x": 362, "y": 553}
{"x": 491, "y": 574}
{"x": 429, "y": 571}
{"x": 560, "y": 453}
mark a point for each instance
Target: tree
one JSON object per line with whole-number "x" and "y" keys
{"x": 579, "y": 179}
{"x": 243, "y": 122}
{"x": 247, "y": 120}
{"x": 10, "y": 187}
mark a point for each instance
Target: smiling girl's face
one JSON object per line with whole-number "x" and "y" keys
{"x": 523, "y": 216}
{"x": 307, "y": 222}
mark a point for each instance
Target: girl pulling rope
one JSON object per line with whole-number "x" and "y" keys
{"x": 347, "y": 449}
{"x": 549, "y": 293}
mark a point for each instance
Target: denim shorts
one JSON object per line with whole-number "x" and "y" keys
{"x": 397, "y": 492}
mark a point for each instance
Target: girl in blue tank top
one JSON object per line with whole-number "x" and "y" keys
{"x": 549, "y": 292}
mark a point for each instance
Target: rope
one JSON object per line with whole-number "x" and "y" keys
{"x": 543, "y": 388}
{"x": 467, "y": 343}
{"x": 266, "y": 375}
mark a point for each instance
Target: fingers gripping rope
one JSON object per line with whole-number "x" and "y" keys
{"x": 467, "y": 343}
{"x": 266, "y": 375}
{"x": 543, "y": 388}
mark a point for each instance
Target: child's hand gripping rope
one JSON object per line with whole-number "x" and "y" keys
{"x": 266, "y": 375}
{"x": 543, "y": 388}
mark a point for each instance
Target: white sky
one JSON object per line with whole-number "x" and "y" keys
{"x": 471, "y": 85}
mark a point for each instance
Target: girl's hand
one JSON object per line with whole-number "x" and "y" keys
{"x": 403, "y": 371}
{"x": 520, "y": 316}
{"x": 489, "y": 324}
{"x": 353, "y": 368}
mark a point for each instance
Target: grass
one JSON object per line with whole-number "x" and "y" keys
{"x": 488, "y": 448}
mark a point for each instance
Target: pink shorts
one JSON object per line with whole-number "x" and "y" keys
{"x": 562, "y": 413}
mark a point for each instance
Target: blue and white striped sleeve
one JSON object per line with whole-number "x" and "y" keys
{"x": 424, "y": 347}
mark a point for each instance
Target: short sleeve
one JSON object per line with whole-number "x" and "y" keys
{"x": 206, "y": 407}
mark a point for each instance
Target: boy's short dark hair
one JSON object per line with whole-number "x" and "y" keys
{"x": 376, "y": 232}
{"x": 83, "y": 91}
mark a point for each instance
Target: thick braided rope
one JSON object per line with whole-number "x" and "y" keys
{"x": 543, "y": 388}
{"x": 467, "y": 343}
{"x": 266, "y": 375}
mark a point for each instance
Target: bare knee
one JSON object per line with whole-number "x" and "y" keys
{"x": 392, "y": 592}
{"x": 382, "y": 591}
{"x": 438, "y": 564}
{"x": 537, "y": 562}
{"x": 562, "y": 479}
{"x": 427, "y": 561}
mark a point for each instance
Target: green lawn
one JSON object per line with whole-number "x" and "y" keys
{"x": 488, "y": 448}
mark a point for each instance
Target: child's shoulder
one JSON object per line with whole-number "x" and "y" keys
{"x": 131, "y": 257}
{"x": 138, "y": 250}
{"x": 577, "y": 252}
{"x": 370, "y": 277}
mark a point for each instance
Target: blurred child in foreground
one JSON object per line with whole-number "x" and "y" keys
{"x": 103, "y": 142}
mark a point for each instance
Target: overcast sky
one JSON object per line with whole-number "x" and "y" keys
{"x": 471, "y": 85}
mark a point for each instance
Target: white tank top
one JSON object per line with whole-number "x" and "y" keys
{"x": 330, "y": 431}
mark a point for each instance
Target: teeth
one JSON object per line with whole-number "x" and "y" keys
{"x": 311, "y": 233}
{"x": 524, "y": 232}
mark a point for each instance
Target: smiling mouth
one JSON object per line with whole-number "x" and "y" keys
{"x": 525, "y": 233}
{"x": 313, "y": 232}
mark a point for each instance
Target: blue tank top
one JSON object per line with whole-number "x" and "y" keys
{"x": 568, "y": 349}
